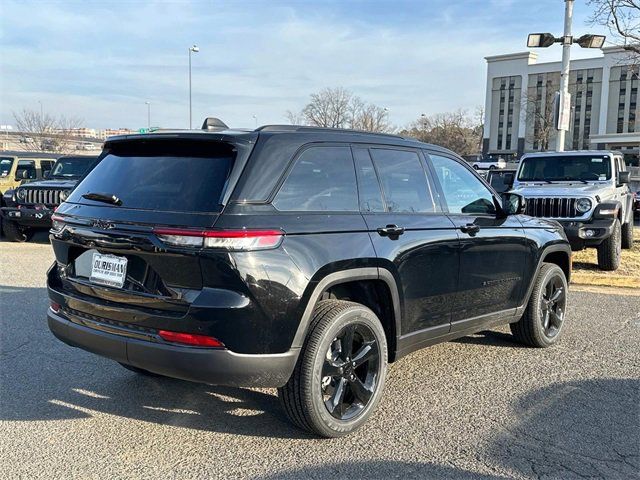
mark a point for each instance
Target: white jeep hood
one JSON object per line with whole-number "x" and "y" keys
{"x": 562, "y": 190}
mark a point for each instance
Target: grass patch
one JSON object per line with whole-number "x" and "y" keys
{"x": 586, "y": 272}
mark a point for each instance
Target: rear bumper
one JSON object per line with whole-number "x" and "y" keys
{"x": 28, "y": 217}
{"x": 582, "y": 235}
{"x": 202, "y": 365}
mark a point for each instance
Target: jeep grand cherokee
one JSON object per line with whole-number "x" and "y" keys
{"x": 300, "y": 258}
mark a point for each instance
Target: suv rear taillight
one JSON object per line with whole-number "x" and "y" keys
{"x": 232, "y": 240}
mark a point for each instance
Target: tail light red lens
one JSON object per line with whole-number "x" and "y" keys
{"x": 190, "y": 339}
{"x": 233, "y": 240}
{"x": 55, "y": 307}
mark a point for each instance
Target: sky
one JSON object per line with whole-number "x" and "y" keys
{"x": 100, "y": 61}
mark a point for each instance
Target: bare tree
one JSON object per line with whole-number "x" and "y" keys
{"x": 44, "y": 132}
{"x": 478, "y": 126}
{"x": 456, "y": 131}
{"x": 340, "y": 108}
{"x": 622, "y": 18}
{"x": 539, "y": 115}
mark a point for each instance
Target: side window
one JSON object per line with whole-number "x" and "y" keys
{"x": 368, "y": 186}
{"x": 322, "y": 180}
{"x": 404, "y": 181}
{"x": 45, "y": 166}
{"x": 463, "y": 192}
{"x": 28, "y": 166}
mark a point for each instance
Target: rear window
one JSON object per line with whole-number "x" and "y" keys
{"x": 185, "y": 176}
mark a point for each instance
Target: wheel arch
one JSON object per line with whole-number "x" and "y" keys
{"x": 372, "y": 286}
{"x": 558, "y": 254}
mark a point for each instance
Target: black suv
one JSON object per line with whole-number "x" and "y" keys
{"x": 30, "y": 205}
{"x": 295, "y": 257}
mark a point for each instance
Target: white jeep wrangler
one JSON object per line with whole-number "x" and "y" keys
{"x": 587, "y": 192}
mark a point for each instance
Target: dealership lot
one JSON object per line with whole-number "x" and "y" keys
{"x": 481, "y": 407}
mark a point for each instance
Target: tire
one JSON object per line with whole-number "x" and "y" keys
{"x": 542, "y": 322}
{"x": 609, "y": 251}
{"x": 627, "y": 235}
{"x": 14, "y": 232}
{"x": 492, "y": 167}
{"x": 323, "y": 377}
{"x": 140, "y": 371}
{"x": 476, "y": 167}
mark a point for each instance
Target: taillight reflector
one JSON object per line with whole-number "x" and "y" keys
{"x": 190, "y": 339}
{"x": 235, "y": 240}
{"x": 55, "y": 307}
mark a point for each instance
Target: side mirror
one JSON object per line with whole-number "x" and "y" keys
{"x": 22, "y": 175}
{"x": 46, "y": 174}
{"x": 513, "y": 203}
{"x": 623, "y": 178}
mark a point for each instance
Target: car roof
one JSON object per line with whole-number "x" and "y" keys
{"x": 309, "y": 132}
{"x": 571, "y": 153}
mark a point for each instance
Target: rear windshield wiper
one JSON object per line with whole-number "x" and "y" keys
{"x": 103, "y": 197}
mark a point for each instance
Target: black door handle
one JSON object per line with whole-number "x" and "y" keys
{"x": 470, "y": 228}
{"x": 390, "y": 231}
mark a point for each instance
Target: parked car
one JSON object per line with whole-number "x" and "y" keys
{"x": 501, "y": 180}
{"x": 30, "y": 206}
{"x": 15, "y": 171}
{"x": 587, "y": 192}
{"x": 636, "y": 203}
{"x": 295, "y": 257}
{"x": 489, "y": 163}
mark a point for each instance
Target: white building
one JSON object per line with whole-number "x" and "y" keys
{"x": 605, "y": 112}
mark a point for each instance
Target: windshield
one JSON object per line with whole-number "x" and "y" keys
{"x": 71, "y": 167}
{"x": 170, "y": 176}
{"x": 5, "y": 166}
{"x": 565, "y": 168}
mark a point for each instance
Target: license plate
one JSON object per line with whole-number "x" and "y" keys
{"x": 109, "y": 270}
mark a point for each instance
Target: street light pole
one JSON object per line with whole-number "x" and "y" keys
{"x": 544, "y": 40}
{"x": 567, "y": 40}
{"x": 148, "y": 115}
{"x": 193, "y": 49}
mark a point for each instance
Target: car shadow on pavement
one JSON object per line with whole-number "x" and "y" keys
{"x": 379, "y": 470}
{"x": 577, "y": 429}
{"x": 491, "y": 338}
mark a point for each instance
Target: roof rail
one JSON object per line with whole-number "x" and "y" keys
{"x": 302, "y": 128}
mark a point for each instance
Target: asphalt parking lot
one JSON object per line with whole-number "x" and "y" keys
{"x": 480, "y": 407}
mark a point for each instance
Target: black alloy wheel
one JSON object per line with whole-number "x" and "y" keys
{"x": 340, "y": 374}
{"x": 350, "y": 371}
{"x": 544, "y": 317}
{"x": 552, "y": 305}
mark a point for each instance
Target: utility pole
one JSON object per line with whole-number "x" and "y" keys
{"x": 567, "y": 40}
